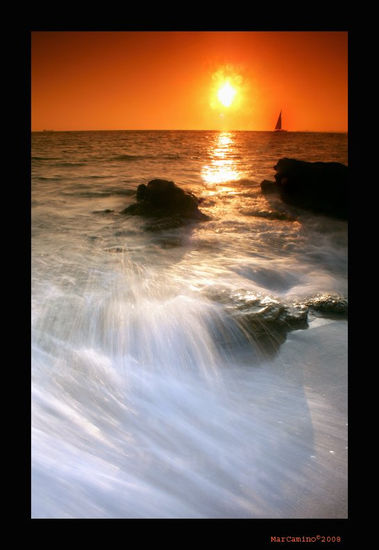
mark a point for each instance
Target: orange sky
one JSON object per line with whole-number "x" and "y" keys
{"x": 169, "y": 80}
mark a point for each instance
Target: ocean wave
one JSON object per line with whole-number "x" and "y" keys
{"x": 45, "y": 158}
{"x": 95, "y": 177}
{"x": 243, "y": 181}
{"x": 130, "y": 157}
{"x": 272, "y": 279}
{"x": 46, "y": 178}
{"x": 170, "y": 156}
{"x": 70, "y": 164}
{"x": 61, "y": 164}
{"x": 101, "y": 194}
{"x": 270, "y": 215}
{"x": 106, "y": 211}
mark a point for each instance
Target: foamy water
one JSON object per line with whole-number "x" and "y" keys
{"x": 150, "y": 397}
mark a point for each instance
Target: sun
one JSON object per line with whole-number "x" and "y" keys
{"x": 226, "y": 94}
{"x": 229, "y": 95}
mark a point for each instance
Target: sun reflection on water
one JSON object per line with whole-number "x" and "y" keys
{"x": 223, "y": 166}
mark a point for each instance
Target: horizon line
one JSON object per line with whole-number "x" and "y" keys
{"x": 188, "y": 130}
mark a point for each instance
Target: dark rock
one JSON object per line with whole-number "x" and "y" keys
{"x": 329, "y": 305}
{"x": 163, "y": 199}
{"x": 321, "y": 187}
{"x": 141, "y": 192}
{"x": 266, "y": 320}
{"x": 269, "y": 187}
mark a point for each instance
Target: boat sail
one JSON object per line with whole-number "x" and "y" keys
{"x": 278, "y": 127}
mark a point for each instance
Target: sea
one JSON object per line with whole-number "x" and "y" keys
{"x": 193, "y": 371}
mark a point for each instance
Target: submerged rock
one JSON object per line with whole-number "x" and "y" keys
{"x": 266, "y": 320}
{"x": 321, "y": 187}
{"x": 329, "y": 305}
{"x": 168, "y": 203}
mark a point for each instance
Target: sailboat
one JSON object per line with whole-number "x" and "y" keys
{"x": 278, "y": 127}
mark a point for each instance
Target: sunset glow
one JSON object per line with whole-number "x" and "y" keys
{"x": 226, "y": 94}
{"x": 222, "y": 168}
{"x": 189, "y": 80}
